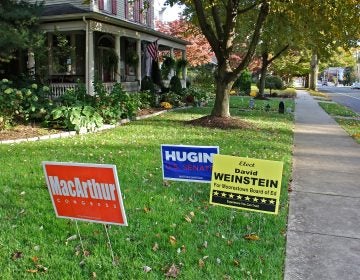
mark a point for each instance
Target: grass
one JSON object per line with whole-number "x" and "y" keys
{"x": 351, "y": 126}
{"x": 317, "y": 93}
{"x": 335, "y": 109}
{"x": 211, "y": 246}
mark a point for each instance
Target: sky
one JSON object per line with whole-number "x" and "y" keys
{"x": 169, "y": 14}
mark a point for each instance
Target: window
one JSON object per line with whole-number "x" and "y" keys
{"x": 109, "y": 6}
{"x": 138, "y": 11}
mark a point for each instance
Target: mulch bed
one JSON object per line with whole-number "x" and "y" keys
{"x": 220, "y": 122}
{"x": 25, "y": 131}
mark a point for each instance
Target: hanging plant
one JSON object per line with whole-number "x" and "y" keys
{"x": 110, "y": 60}
{"x": 132, "y": 58}
{"x": 180, "y": 64}
{"x": 166, "y": 67}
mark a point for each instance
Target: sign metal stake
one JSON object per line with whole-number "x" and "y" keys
{"x": 109, "y": 242}
{"x": 81, "y": 242}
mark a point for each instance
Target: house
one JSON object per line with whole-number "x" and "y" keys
{"x": 102, "y": 40}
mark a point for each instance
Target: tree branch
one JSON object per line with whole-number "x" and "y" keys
{"x": 206, "y": 27}
{"x": 263, "y": 13}
{"x": 278, "y": 54}
{"x": 216, "y": 15}
{"x": 242, "y": 11}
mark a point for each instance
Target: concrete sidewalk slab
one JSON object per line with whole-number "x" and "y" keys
{"x": 323, "y": 238}
{"x": 312, "y": 256}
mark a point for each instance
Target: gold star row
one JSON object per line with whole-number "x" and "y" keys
{"x": 244, "y": 197}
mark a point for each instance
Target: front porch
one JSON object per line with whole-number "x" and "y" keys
{"x": 87, "y": 50}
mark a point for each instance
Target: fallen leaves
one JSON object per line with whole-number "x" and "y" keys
{"x": 16, "y": 255}
{"x": 173, "y": 271}
{"x": 172, "y": 240}
{"x": 252, "y": 237}
{"x": 155, "y": 247}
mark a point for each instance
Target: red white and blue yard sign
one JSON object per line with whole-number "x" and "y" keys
{"x": 187, "y": 163}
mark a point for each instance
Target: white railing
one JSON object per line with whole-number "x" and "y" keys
{"x": 58, "y": 89}
{"x": 109, "y": 86}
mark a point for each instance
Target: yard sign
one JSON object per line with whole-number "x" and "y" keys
{"x": 88, "y": 192}
{"x": 187, "y": 163}
{"x": 246, "y": 183}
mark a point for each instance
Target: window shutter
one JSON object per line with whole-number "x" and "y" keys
{"x": 126, "y": 9}
{"x": 136, "y": 10}
{"x": 101, "y": 4}
{"x": 113, "y": 7}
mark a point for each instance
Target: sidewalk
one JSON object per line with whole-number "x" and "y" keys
{"x": 323, "y": 239}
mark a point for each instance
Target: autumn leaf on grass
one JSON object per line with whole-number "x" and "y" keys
{"x": 173, "y": 271}
{"x": 17, "y": 255}
{"x": 188, "y": 219}
{"x": 166, "y": 184}
{"x": 147, "y": 209}
{"x": 172, "y": 240}
{"x": 32, "y": 270}
{"x": 252, "y": 237}
{"x": 35, "y": 259}
{"x": 201, "y": 263}
{"x": 155, "y": 247}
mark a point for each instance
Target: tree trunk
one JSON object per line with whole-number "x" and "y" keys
{"x": 263, "y": 72}
{"x": 222, "y": 99}
{"x": 314, "y": 71}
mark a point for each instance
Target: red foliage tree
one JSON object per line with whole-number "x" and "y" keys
{"x": 199, "y": 52}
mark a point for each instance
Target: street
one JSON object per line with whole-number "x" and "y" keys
{"x": 344, "y": 96}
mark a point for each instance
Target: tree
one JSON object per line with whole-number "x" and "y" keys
{"x": 219, "y": 22}
{"x": 19, "y": 23}
{"x": 199, "y": 51}
{"x": 327, "y": 25}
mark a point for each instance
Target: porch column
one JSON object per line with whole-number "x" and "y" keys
{"x": 138, "y": 68}
{"x": 73, "y": 54}
{"x": 184, "y": 70}
{"x": 117, "y": 50}
{"x": 90, "y": 62}
{"x": 31, "y": 63}
{"x": 172, "y": 71}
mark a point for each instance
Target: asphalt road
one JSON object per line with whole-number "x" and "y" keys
{"x": 344, "y": 95}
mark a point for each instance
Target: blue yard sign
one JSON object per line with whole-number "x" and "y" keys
{"x": 187, "y": 163}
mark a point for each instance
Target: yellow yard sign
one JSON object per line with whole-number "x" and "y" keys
{"x": 246, "y": 183}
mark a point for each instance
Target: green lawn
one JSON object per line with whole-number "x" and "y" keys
{"x": 335, "y": 109}
{"x": 351, "y": 126}
{"x": 211, "y": 245}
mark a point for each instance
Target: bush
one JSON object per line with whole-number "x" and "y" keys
{"x": 175, "y": 85}
{"x": 243, "y": 83}
{"x": 147, "y": 84}
{"x": 76, "y": 118}
{"x": 23, "y": 105}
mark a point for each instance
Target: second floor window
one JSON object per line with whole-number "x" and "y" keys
{"x": 109, "y": 6}
{"x": 138, "y": 11}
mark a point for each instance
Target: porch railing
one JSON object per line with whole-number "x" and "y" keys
{"x": 58, "y": 89}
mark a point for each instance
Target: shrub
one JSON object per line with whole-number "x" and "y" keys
{"x": 75, "y": 118}
{"x": 23, "y": 105}
{"x": 175, "y": 85}
{"x": 243, "y": 83}
{"x": 147, "y": 84}
{"x": 273, "y": 82}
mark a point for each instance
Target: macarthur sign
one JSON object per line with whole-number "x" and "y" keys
{"x": 246, "y": 183}
{"x": 88, "y": 192}
{"x": 188, "y": 163}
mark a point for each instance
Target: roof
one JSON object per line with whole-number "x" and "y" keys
{"x": 62, "y": 9}
{"x": 68, "y": 12}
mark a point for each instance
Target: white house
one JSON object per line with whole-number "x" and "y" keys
{"x": 105, "y": 40}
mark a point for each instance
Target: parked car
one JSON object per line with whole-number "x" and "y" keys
{"x": 356, "y": 85}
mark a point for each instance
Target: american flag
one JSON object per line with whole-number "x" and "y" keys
{"x": 152, "y": 49}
